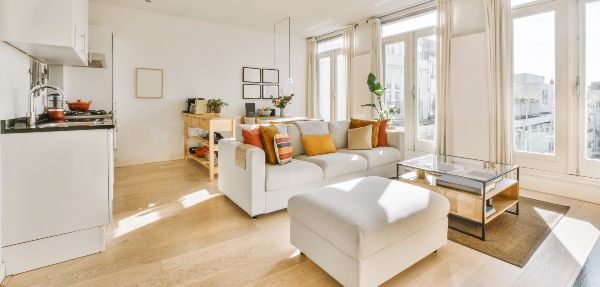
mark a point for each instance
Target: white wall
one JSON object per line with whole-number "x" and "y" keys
{"x": 14, "y": 86}
{"x": 199, "y": 59}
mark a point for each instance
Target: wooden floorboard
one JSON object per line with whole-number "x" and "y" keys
{"x": 173, "y": 228}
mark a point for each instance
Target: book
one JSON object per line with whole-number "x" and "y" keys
{"x": 489, "y": 207}
{"x": 464, "y": 184}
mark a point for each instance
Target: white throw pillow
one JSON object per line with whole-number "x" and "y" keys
{"x": 360, "y": 138}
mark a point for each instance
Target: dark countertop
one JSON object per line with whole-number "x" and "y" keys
{"x": 19, "y": 125}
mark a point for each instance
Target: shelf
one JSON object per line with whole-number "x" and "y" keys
{"x": 501, "y": 186}
{"x": 501, "y": 204}
{"x": 204, "y": 162}
{"x": 203, "y": 142}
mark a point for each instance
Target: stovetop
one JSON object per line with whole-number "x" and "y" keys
{"x": 90, "y": 115}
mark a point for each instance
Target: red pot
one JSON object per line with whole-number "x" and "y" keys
{"x": 56, "y": 114}
{"x": 79, "y": 105}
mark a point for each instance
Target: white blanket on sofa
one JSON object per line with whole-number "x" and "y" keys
{"x": 313, "y": 128}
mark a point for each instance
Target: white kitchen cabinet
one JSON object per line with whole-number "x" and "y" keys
{"x": 53, "y": 31}
{"x": 57, "y": 192}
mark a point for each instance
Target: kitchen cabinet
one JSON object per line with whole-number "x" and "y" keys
{"x": 55, "y": 32}
{"x": 57, "y": 196}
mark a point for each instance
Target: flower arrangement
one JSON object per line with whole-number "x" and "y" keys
{"x": 282, "y": 101}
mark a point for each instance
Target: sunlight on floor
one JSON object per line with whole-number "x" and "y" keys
{"x": 577, "y": 236}
{"x": 134, "y": 222}
{"x": 195, "y": 198}
{"x": 295, "y": 253}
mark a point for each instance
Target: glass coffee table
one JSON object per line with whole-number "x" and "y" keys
{"x": 478, "y": 191}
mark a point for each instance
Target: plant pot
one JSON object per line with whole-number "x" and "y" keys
{"x": 282, "y": 113}
{"x": 216, "y": 110}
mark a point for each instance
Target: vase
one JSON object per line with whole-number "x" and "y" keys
{"x": 216, "y": 110}
{"x": 282, "y": 113}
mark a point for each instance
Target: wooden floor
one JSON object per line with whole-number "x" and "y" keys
{"x": 173, "y": 228}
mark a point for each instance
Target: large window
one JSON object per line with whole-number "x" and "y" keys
{"x": 590, "y": 87}
{"x": 533, "y": 83}
{"x": 331, "y": 80}
{"x": 409, "y": 54}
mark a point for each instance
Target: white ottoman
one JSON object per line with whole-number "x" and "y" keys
{"x": 365, "y": 231}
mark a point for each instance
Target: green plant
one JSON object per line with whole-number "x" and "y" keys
{"x": 214, "y": 105}
{"x": 383, "y": 112}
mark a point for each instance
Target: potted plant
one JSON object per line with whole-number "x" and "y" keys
{"x": 281, "y": 102}
{"x": 215, "y": 105}
{"x": 383, "y": 112}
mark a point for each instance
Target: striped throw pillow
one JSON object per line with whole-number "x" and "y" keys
{"x": 283, "y": 148}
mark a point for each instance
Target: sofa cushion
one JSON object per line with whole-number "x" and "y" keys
{"x": 296, "y": 138}
{"x": 336, "y": 164}
{"x": 365, "y": 215}
{"x": 238, "y": 130}
{"x": 360, "y": 138}
{"x": 296, "y": 172}
{"x": 318, "y": 145}
{"x": 339, "y": 132}
{"x": 378, "y": 156}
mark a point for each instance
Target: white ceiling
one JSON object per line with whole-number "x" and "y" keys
{"x": 309, "y": 17}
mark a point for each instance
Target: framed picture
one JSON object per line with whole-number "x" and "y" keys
{"x": 251, "y": 75}
{"x": 251, "y": 91}
{"x": 270, "y": 76}
{"x": 148, "y": 83}
{"x": 270, "y": 91}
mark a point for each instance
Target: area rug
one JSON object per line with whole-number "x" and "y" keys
{"x": 512, "y": 238}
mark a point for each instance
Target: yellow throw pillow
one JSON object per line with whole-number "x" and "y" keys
{"x": 360, "y": 138}
{"x": 356, "y": 123}
{"x": 267, "y": 137}
{"x": 317, "y": 145}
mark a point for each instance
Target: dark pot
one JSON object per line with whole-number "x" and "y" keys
{"x": 216, "y": 110}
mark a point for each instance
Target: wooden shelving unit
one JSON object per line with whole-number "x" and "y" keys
{"x": 211, "y": 123}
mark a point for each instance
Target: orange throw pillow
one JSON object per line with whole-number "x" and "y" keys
{"x": 317, "y": 145}
{"x": 383, "y": 133}
{"x": 252, "y": 137}
{"x": 267, "y": 136}
{"x": 356, "y": 123}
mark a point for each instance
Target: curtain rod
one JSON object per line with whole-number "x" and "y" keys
{"x": 403, "y": 9}
{"x": 334, "y": 31}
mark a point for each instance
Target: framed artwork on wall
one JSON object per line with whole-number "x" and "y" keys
{"x": 251, "y": 91}
{"x": 149, "y": 83}
{"x": 270, "y": 76}
{"x": 270, "y": 91}
{"x": 251, "y": 75}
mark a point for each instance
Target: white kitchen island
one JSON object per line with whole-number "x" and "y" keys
{"x": 57, "y": 195}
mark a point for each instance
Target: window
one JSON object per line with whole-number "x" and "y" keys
{"x": 331, "y": 80}
{"x": 410, "y": 74}
{"x": 533, "y": 82}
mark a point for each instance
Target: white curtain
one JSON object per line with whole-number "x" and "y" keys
{"x": 349, "y": 43}
{"x": 311, "y": 76}
{"x": 376, "y": 48}
{"x": 498, "y": 28}
{"x": 444, "y": 37}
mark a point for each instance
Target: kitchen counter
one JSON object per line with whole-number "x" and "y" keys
{"x": 19, "y": 126}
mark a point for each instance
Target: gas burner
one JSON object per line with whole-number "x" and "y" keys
{"x": 90, "y": 115}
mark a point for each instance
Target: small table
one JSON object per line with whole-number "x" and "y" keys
{"x": 456, "y": 172}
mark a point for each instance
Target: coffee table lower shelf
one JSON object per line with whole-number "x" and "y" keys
{"x": 471, "y": 206}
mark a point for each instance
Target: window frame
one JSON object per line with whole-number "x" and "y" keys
{"x": 558, "y": 161}
{"x": 333, "y": 86}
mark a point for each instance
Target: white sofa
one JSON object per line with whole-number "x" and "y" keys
{"x": 262, "y": 188}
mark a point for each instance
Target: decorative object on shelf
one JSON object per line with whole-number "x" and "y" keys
{"x": 263, "y": 112}
{"x": 270, "y": 76}
{"x": 149, "y": 83}
{"x": 270, "y": 91}
{"x": 250, "y": 110}
{"x": 251, "y": 91}
{"x": 281, "y": 102}
{"x": 215, "y": 105}
{"x": 383, "y": 112}
{"x": 251, "y": 75}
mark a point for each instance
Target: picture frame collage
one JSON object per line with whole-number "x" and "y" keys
{"x": 259, "y": 83}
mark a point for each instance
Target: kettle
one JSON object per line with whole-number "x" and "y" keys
{"x": 56, "y": 110}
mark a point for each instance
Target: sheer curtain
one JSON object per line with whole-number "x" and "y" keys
{"x": 444, "y": 37}
{"x": 376, "y": 48}
{"x": 311, "y": 76}
{"x": 498, "y": 28}
{"x": 349, "y": 43}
